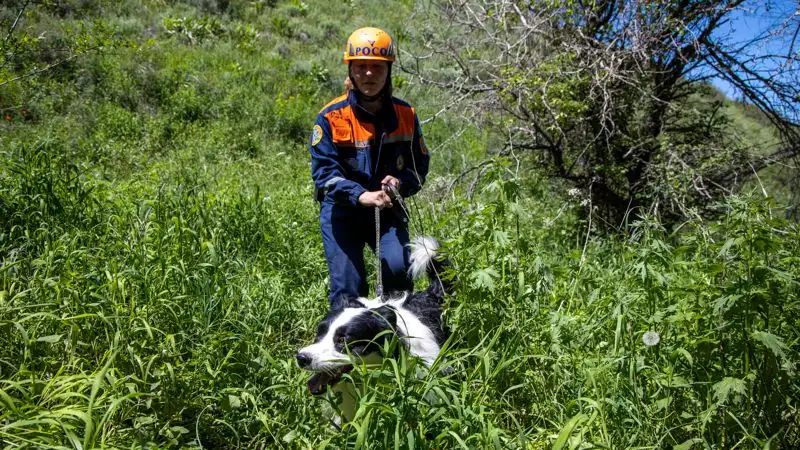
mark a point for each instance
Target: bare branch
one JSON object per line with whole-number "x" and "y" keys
{"x": 16, "y": 21}
{"x": 592, "y": 90}
{"x": 42, "y": 70}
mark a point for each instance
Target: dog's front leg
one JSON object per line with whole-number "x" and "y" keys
{"x": 346, "y": 393}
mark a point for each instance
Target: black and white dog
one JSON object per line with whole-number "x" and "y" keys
{"x": 355, "y": 330}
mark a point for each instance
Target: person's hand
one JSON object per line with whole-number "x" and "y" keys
{"x": 375, "y": 199}
{"x": 388, "y": 179}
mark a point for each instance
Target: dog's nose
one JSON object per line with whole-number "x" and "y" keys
{"x": 303, "y": 360}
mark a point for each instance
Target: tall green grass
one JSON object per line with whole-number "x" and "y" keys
{"x": 169, "y": 315}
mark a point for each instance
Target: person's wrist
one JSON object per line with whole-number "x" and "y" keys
{"x": 362, "y": 199}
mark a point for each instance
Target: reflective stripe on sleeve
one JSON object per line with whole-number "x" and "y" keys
{"x": 332, "y": 181}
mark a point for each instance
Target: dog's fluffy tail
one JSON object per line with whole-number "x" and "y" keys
{"x": 425, "y": 259}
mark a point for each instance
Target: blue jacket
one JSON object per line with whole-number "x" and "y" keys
{"x": 352, "y": 150}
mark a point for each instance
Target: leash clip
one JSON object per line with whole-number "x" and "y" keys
{"x": 394, "y": 194}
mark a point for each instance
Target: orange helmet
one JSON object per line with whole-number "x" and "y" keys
{"x": 369, "y": 43}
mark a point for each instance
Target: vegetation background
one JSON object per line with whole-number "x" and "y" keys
{"x": 160, "y": 260}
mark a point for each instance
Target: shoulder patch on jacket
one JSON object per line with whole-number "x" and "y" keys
{"x": 316, "y": 135}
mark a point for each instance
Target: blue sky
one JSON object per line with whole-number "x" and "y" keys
{"x": 754, "y": 19}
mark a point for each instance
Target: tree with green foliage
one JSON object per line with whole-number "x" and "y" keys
{"x": 596, "y": 92}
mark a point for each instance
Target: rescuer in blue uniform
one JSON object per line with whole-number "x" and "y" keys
{"x": 362, "y": 142}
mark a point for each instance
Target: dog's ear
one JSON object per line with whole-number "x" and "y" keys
{"x": 367, "y": 333}
{"x": 384, "y": 319}
{"x": 387, "y": 320}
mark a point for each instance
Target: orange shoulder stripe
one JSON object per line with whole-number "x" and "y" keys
{"x": 334, "y": 101}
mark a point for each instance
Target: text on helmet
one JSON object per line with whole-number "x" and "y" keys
{"x": 370, "y": 51}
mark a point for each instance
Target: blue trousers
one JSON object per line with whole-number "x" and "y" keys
{"x": 345, "y": 231}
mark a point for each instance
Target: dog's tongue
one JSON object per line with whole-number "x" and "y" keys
{"x": 318, "y": 383}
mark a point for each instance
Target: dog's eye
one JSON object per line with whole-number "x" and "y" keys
{"x": 340, "y": 341}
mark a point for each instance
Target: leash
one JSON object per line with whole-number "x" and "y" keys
{"x": 378, "y": 274}
{"x": 394, "y": 194}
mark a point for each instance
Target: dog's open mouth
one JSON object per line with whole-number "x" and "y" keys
{"x": 319, "y": 382}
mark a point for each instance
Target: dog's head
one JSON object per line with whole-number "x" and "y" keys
{"x": 353, "y": 332}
